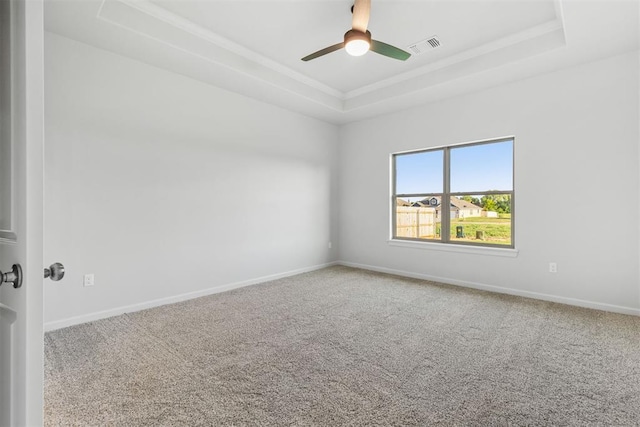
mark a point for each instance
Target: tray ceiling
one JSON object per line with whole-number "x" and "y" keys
{"x": 254, "y": 47}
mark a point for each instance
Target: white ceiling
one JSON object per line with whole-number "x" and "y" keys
{"x": 254, "y": 47}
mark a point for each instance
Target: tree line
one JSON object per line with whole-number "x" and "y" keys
{"x": 500, "y": 203}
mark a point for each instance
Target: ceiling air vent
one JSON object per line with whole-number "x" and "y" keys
{"x": 424, "y": 45}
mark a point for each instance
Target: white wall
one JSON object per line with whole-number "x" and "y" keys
{"x": 163, "y": 186}
{"x": 576, "y": 185}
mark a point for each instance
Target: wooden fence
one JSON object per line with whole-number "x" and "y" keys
{"x": 417, "y": 222}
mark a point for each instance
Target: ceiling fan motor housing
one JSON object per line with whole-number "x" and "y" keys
{"x": 357, "y": 35}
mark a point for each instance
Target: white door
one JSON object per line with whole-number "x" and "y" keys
{"x": 21, "y": 174}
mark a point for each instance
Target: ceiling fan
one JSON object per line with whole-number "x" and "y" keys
{"x": 357, "y": 41}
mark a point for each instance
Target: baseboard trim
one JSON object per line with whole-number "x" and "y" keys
{"x": 90, "y": 317}
{"x": 498, "y": 289}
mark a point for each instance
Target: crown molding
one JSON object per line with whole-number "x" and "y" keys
{"x": 151, "y": 21}
{"x": 196, "y": 30}
{"x": 502, "y": 43}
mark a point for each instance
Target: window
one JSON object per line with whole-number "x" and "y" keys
{"x": 461, "y": 194}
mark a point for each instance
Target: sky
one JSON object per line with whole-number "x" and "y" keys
{"x": 474, "y": 168}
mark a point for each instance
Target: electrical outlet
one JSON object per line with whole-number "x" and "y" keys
{"x": 553, "y": 267}
{"x": 329, "y": 245}
{"x": 89, "y": 280}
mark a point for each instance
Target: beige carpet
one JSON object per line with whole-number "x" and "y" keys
{"x": 342, "y": 346}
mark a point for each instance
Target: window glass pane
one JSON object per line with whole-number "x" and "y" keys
{"x": 417, "y": 220}
{"x": 483, "y": 167}
{"x": 481, "y": 219}
{"x": 419, "y": 173}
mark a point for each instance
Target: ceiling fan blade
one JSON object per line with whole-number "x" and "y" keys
{"x": 388, "y": 50}
{"x": 361, "y": 12}
{"x": 324, "y": 51}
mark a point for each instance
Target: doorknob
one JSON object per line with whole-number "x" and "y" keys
{"x": 55, "y": 272}
{"x": 14, "y": 276}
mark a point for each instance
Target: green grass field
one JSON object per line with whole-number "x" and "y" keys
{"x": 496, "y": 230}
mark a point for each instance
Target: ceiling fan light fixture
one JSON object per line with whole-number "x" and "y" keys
{"x": 357, "y": 43}
{"x": 357, "y": 47}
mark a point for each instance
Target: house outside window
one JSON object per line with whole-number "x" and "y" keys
{"x": 474, "y": 180}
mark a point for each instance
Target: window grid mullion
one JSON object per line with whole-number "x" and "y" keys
{"x": 445, "y": 202}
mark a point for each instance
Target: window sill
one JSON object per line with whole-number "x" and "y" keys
{"x": 466, "y": 249}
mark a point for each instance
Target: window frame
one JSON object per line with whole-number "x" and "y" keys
{"x": 445, "y": 220}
